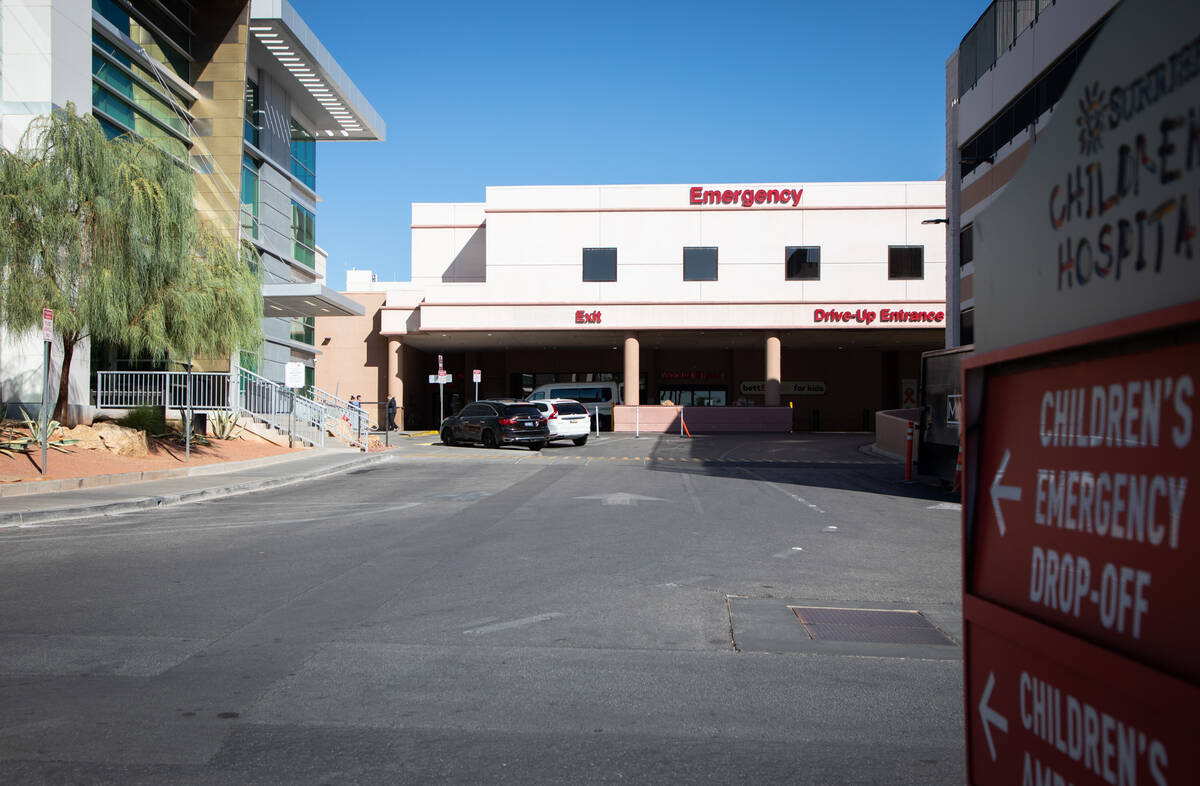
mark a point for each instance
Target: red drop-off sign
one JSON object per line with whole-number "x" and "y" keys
{"x": 1088, "y": 504}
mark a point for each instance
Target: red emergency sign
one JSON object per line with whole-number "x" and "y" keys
{"x": 1087, "y": 503}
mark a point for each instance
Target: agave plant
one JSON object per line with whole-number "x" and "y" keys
{"x": 181, "y": 436}
{"x": 12, "y": 442}
{"x": 226, "y": 425}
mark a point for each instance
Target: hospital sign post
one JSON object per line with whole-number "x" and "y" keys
{"x": 47, "y": 343}
{"x": 1081, "y": 656}
{"x": 441, "y": 379}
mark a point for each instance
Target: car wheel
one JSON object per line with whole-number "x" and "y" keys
{"x": 447, "y": 436}
{"x": 489, "y": 440}
{"x": 537, "y": 446}
{"x": 580, "y": 441}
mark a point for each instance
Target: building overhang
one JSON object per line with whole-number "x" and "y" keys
{"x": 319, "y": 86}
{"x": 590, "y": 317}
{"x": 307, "y": 300}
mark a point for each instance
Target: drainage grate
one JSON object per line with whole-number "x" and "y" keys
{"x": 868, "y": 625}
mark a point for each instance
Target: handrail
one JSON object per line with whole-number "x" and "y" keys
{"x": 241, "y": 390}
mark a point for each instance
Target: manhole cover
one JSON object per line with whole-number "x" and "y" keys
{"x": 868, "y": 625}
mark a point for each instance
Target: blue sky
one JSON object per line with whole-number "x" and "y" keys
{"x": 533, "y": 93}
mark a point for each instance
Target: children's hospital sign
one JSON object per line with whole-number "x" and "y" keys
{"x": 1101, "y": 221}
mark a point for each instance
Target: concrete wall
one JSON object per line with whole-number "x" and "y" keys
{"x": 701, "y": 420}
{"x": 891, "y": 431}
{"x": 535, "y": 236}
{"x": 353, "y": 355}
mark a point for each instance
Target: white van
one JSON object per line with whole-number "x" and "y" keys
{"x": 592, "y": 395}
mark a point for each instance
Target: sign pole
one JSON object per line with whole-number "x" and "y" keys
{"x": 48, "y": 342}
{"x": 45, "y": 400}
{"x": 188, "y": 427}
{"x": 441, "y": 402}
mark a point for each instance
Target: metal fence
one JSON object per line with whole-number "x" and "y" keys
{"x": 995, "y": 31}
{"x": 284, "y": 409}
{"x": 280, "y": 407}
{"x": 128, "y": 389}
{"x": 348, "y": 423}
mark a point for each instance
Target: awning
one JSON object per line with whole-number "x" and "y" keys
{"x": 307, "y": 300}
{"x": 315, "y": 80}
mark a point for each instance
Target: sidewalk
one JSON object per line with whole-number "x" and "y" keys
{"x": 63, "y": 500}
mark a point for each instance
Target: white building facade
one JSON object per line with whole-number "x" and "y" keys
{"x": 818, "y": 296}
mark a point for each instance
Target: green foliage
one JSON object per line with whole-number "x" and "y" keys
{"x": 106, "y": 233}
{"x": 181, "y": 436}
{"x": 13, "y": 442}
{"x": 149, "y": 419}
{"x": 225, "y": 425}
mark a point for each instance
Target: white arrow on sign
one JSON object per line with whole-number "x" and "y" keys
{"x": 621, "y": 498}
{"x": 987, "y": 715}
{"x": 1012, "y": 493}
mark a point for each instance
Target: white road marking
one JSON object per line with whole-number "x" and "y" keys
{"x": 691, "y": 490}
{"x": 946, "y": 506}
{"x": 511, "y": 624}
{"x": 782, "y": 490}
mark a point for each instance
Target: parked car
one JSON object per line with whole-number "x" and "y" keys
{"x": 497, "y": 422}
{"x": 593, "y": 395}
{"x": 566, "y": 418}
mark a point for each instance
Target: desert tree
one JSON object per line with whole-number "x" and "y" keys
{"x": 106, "y": 233}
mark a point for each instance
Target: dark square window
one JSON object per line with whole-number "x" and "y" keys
{"x": 966, "y": 245}
{"x": 803, "y": 263}
{"x": 700, "y": 263}
{"x": 967, "y": 327}
{"x": 906, "y": 262}
{"x": 599, "y": 264}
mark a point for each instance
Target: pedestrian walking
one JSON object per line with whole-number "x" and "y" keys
{"x": 391, "y": 413}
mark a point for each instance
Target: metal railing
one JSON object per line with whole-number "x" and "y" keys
{"x": 348, "y": 423}
{"x": 280, "y": 407}
{"x": 128, "y": 389}
{"x": 284, "y": 409}
{"x": 991, "y": 36}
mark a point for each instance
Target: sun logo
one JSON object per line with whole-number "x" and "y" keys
{"x": 1091, "y": 119}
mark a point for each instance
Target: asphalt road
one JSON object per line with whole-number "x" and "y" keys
{"x": 618, "y": 612}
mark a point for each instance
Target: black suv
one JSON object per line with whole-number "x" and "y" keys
{"x": 497, "y": 422}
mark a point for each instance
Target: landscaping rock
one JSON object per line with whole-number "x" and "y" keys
{"x": 87, "y": 436}
{"x": 123, "y": 441}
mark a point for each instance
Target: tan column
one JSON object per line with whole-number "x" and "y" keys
{"x": 772, "y": 376}
{"x": 632, "y": 368}
{"x": 395, "y": 377}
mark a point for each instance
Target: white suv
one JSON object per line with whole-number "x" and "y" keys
{"x": 566, "y": 418}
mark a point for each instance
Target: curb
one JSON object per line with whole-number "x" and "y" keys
{"x": 122, "y": 478}
{"x": 29, "y": 518}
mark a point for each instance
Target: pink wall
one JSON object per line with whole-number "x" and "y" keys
{"x": 702, "y": 420}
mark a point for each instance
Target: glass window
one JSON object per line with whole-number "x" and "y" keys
{"x": 249, "y": 208}
{"x": 304, "y": 155}
{"x": 906, "y": 262}
{"x": 109, "y": 107}
{"x": 966, "y": 245}
{"x": 304, "y": 235}
{"x": 700, "y": 263}
{"x": 599, "y": 264}
{"x": 149, "y": 102}
{"x": 967, "y": 327}
{"x": 303, "y": 329}
{"x": 802, "y": 263}
{"x": 251, "y": 127}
